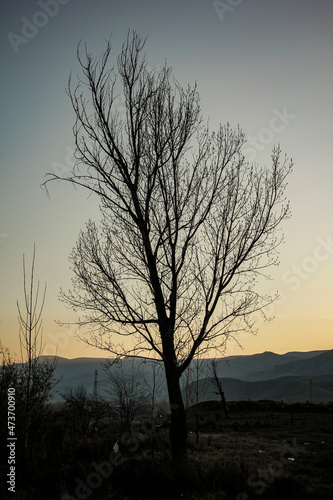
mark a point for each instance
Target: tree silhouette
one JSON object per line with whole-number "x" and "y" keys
{"x": 127, "y": 394}
{"x": 188, "y": 226}
{"x": 217, "y": 384}
{"x": 29, "y": 382}
{"x": 36, "y": 375}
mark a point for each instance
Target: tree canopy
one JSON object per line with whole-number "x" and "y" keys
{"x": 188, "y": 225}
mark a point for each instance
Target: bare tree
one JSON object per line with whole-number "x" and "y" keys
{"x": 76, "y": 404}
{"x": 127, "y": 392}
{"x": 217, "y": 384}
{"x": 188, "y": 226}
{"x": 30, "y": 321}
{"x": 35, "y": 375}
{"x": 84, "y": 413}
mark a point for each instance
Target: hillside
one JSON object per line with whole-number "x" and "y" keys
{"x": 268, "y": 365}
{"x": 259, "y": 376}
{"x": 288, "y": 389}
{"x": 321, "y": 364}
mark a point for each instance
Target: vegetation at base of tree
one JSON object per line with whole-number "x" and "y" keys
{"x": 237, "y": 455}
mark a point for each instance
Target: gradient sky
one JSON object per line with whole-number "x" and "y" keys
{"x": 253, "y": 63}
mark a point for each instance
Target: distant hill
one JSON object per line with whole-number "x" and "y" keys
{"x": 262, "y": 366}
{"x": 260, "y": 376}
{"x": 72, "y": 373}
{"x": 288, "y": 389}
{"x": 321, "y": 364}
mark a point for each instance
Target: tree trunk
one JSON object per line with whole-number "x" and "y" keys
{"x": 178, "y": 427}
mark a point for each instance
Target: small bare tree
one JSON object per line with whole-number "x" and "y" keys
{"x": 84, "y": 413}
{"x": 127, "y": 391}
{"x": 36, "y": 375}
{"x": 217, "y": 384}
{"x": 76, "y": 405}
{"x": 188, "y": 226}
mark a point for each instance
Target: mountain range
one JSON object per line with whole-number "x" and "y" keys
{"x": 291, "y": 377}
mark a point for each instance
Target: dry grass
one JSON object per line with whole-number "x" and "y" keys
{"x": 253, "y": 455}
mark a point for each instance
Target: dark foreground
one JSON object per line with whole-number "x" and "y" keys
{"x": 265, "y": 450}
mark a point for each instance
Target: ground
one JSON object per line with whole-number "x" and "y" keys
{"x": 265, "y": 450}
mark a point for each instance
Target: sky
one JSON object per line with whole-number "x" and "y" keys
{"x": 266, "y": 66}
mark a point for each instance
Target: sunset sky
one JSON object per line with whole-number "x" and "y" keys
{"x": 265, "y": 65}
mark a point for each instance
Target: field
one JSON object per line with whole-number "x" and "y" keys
{"x": 264, "y": 450}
